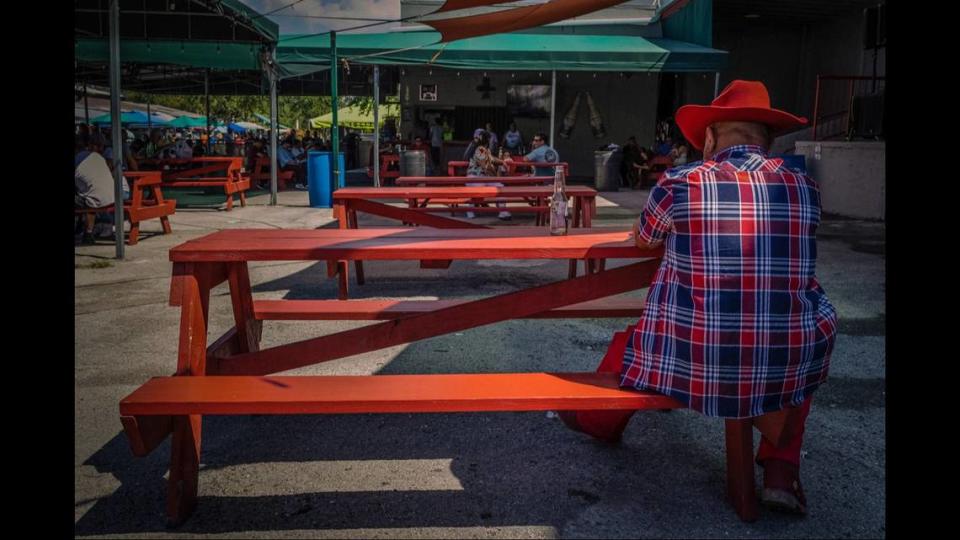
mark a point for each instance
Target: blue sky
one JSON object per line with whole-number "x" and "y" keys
{"x": 297, "y": 19}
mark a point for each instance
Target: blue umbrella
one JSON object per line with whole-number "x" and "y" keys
{"x": 131, "y": 118}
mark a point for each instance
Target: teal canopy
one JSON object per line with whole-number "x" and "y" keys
{"x": 131, "y": 118}
{"x": 299, "y": 55}
{"x": 187, "y": 122}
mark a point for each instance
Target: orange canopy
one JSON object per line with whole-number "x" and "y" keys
{"x": 509, "y": 20}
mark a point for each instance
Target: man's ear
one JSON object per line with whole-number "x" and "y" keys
{"x": 709, "y": 142}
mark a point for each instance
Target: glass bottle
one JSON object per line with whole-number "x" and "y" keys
{"x": 559, "y": 214}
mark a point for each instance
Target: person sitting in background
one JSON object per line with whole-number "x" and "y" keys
{"x": 542, "y": 153}
{"x": 298, "y": 151}
{"x": 127, "y": 161}
{"x": 665, "y": 146}
{"x": 494, "y": 140}
{"x": 680, "y": 154}
{"x": 182, "y": 149}
{"x": 629, "y": 173}
{"x": 513, "y": 140}
{"x": 288, "y": 162}
{"x": 472, "y": 147}
{"x": 93, "y": 183}
{"x": 483, "y": 163}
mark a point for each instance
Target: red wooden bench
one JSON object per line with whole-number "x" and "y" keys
{"x": 514, "y": 166}
{"x": 389, "y": 167}
{"x": 457, "y": 168}
{"x": 231, "y": 178}
{"x": 261, "y": 173}
{"x": 139, "y": 208}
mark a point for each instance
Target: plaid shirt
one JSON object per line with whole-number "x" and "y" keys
{"x": 735, "y": 323}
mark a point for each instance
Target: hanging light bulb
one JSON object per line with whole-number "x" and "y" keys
{"x": 512, "y": 75}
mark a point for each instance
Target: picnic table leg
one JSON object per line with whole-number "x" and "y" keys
{"x": 243, "y": 198}
{"x": 343, "y": 279}
{"x": 347, "y": 217}
{"x": 229, "y": 200}
{"x": 740, "y": 482}
{"x": 158, "y": 198}
{"x": 357, "y": 265}
{"x": 249, "y": 329}
{"x": 577, "y": 211}
{"x": 134, "y": 232}
{"x": 586, "y": 210}
{"x": 192, "y": 282}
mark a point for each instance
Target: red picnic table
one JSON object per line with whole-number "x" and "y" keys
{"x": 225, "y": 172}
{"x": 430, "y": 181}
{"x": 348, "y": 201}
{"x": 235, "y": 376}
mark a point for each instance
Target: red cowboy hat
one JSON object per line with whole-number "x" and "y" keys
{"x": 740, "y": 101}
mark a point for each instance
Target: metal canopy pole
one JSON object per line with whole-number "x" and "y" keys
{"x": 149, "y": 123}
{"x": 206, "y": 99}
{"x": 376, "y": 126}
{"x": 115, "y": 125}
{"x": 716, "y": 84}
{"x": 86, "y": 107}
{"x": 273, "y": 125}
{"x": 335, "y": 127}
{"x": 553, "y": 106}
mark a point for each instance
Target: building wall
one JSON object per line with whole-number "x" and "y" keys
{"x": 834, "y": 47}
{"x": 788, "y": 58}
{"x": 763, "y": 53}
{"x": 626, "y": 103}
{"x": 852, "y": 176}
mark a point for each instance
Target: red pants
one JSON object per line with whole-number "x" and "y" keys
{"x": 609, "y": 425}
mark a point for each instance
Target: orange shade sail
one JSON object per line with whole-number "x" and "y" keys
{"x": 510, "y": 20}
{"x": 453, "y": 5}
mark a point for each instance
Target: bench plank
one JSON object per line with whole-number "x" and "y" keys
{"x": 386, "y": 394}
{"x": 380, "y": 310}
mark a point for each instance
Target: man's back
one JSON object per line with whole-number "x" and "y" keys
{"x": 93, "y": 182}
{"x": 735, "y": 322}
{"x": 543, "y": 154}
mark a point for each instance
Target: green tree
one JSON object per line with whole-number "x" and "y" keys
{"x": 242, "y": 108}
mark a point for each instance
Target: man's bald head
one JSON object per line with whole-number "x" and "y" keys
{"x": 722, "y": 135}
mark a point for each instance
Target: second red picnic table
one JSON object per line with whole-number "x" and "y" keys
{"x": 349, "y": 201}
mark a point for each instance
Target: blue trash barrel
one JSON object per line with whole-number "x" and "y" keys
{"x": 318, "y": 178}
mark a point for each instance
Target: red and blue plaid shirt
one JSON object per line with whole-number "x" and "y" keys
{"x": 735, "y": 323}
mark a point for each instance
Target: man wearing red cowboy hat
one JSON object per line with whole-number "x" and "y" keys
{"x": 735, "y": 324}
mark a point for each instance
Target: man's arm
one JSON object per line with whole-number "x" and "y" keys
{"x": 638, "y": 241}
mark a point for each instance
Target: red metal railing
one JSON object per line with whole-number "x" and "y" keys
{"x": 819, "y": 116}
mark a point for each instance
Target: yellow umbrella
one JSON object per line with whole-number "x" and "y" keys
{"x": 351, "y": 117}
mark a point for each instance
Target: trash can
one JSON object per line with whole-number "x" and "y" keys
{"x": 318, "y": 178}
{"x": 413, "y": 163}
{"x": 606, "y": 168}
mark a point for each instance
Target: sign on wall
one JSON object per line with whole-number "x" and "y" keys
{"x": 428, "y": 92}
